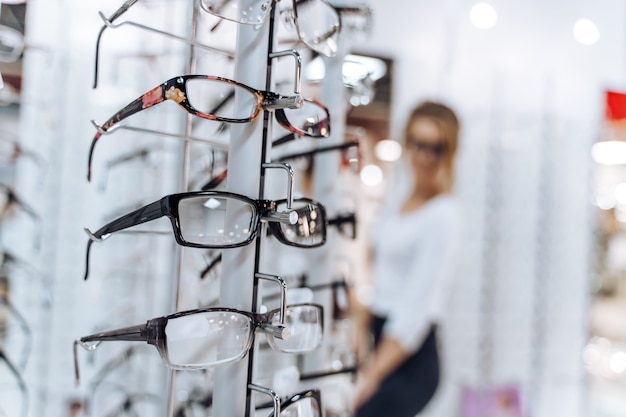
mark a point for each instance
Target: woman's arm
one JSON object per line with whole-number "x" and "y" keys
{"x": 388, "y": 356}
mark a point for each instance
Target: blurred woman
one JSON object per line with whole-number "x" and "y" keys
{"x": 413, "y": 249}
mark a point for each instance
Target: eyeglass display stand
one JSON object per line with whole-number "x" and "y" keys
{"x": 238, "y": 264}
{"x": 324, "y": 190}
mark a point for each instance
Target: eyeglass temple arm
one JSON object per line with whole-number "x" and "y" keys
{"x": 284, "y": 139}
{"x": 215, "y": 181}
{"x": 23, "y": 324}
{"x": 123, "y": 8}
{"x": 314, "y": 375}
{"x": 145, "y": 214}
{"x": 272, "y": 394}
{"x": 137, "y": 333}
{"x": 340, "y": 219}
{"x": 289, "y": 170}
{"x": 109, "y": 23}
{"x": 214, "y": 262}
{"x": 155, "y": 95}
{"x": 142, "y": 215}
{"x": 20, "y": 380}
{"x": 321, "y": 149}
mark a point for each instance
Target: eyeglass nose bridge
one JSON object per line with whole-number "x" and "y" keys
{"x": 292, "y": 102}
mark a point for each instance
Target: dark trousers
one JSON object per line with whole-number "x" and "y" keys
{"x": 407, "y": 390}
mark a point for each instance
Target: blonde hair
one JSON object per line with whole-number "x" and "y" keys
{"x": 448, "y": 123}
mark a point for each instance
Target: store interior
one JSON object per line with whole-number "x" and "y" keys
{"x": 535, "y": 326}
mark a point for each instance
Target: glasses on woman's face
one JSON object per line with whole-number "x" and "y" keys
{"x": 435, "y": 150}
{"x": 224, "y": 100}
{"x": 222, "y": 220}
{"x": 207, "y": 337}
{"x": 316, "y": 22}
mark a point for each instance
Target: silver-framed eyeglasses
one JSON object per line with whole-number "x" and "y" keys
{"x": 207, "y": 337}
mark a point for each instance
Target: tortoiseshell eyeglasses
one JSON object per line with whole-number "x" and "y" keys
{"x": 211, "y": 97}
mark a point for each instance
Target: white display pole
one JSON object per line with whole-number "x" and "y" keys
{"x": 244, "y": 167}
{"x": 326, "y": 173}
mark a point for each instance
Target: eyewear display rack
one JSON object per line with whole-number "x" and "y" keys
{"x": 249, "y": 164}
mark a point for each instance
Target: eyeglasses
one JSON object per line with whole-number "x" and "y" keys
{"x": 303, "y": 404}
{"x": 222, "y": 220}
{"x": 435, "y": 150}
{"x": 207, "y": 337}
{"x": 209, "y": 97}
{"x": 345, "y": 224}
{"x": 350, "y": 156}
{"x": 317, "y": 23}
{"x": 339, "y": 288}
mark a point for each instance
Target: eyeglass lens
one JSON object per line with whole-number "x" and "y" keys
{"x": 310, "y": 229}
{"x": 214, "y": 97}
{"x": 317, "y": 24}
{"x": 311, "y": 119}
{"x": 255, "y": 13}
{"x": 207, "y": 339}
{"x": 304, "y": 326}
{"x": 304, "y": 407}
{"x": 216, "y": 221}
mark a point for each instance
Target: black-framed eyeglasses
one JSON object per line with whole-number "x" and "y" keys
{"x": 207, "y": 337}
{"x": 223, "y": 220}
{"x": 346, "y": 224}
{"x": 208, "y": 97}
{"x": 350, "y": 155}
{"x": 303, "y": 404}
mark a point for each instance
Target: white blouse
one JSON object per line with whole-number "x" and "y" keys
{"x": 413, "y": 264}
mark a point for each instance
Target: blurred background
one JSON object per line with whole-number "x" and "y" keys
{"x": 537, "y": 322}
